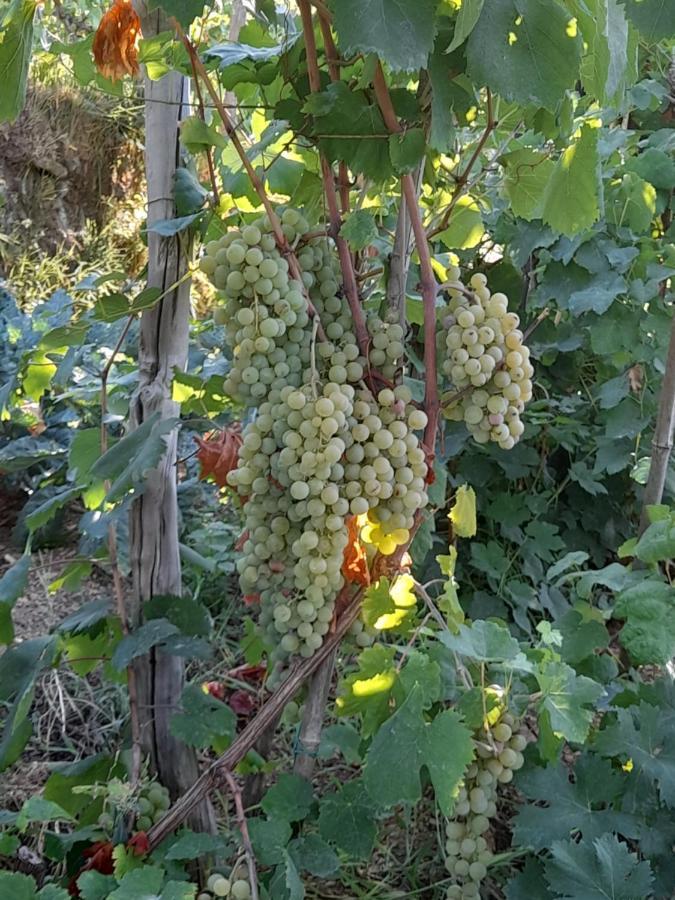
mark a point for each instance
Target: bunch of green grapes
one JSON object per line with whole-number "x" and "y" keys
{"x": 487, "y": 363}
{"x": 236, "y": 885}
{"x": 152, "y": 803}
{"x": 499, "y": 754}
{"x": 322, "y": 446}
{"x": 385, "y": 353}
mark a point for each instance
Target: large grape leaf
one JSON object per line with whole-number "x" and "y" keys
{"x": 654, "y": 19}
{"x": 566, "y": 698}
{"x": 487, "y": 642}
{"x": 582, "y": 806}
{"x": 204, "y": 719}
{"x": 351, "y": 129}
{"x": 12, "y": 585}
{"x": 604, "y": 870}
{"x": 16, "y": 39}
{"x": 527, "y": 176}
{"x": 526, "y": 50}
{"x": 445, "y": 747}
{"x": 290, "y": 798}
{"x": 185, "y": 11}
{"x": 367, "y": 691}
{"x": 401, "y": 32}
{"x": 347, "y": 819}
{"x": 570, "y": 202}
{"x": 643, "y": 739}
{"x": 649, "y": 630}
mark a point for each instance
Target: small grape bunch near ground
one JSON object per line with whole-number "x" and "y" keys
{"x": 151, "y": 806}
{"x": 235, "y": 885}
{"x": 487, "y": 362}
{"x": 499, "y": 753}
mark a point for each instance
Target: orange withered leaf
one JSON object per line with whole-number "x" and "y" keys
{"x": 354, "y": 560}
{"x": 115, "y": 50}
{"x": 218, "y": 454}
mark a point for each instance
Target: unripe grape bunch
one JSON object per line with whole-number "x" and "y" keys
{"x": 234, "y": 886}
{"x": 329, "y": 439}
{"x": 499, "y": 753}
{"x": 486, "y": 361}
{"x": 153, "y": 802}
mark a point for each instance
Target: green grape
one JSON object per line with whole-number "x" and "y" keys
{"x": 144, "y": 823}
{"x": 241, "y": 890}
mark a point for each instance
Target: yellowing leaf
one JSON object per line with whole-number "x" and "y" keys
{"x": 463, "y": 513}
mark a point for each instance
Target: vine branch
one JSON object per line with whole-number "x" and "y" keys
{"x": 428, "y": 281}
{"x": 245, "y": 836}
{"x": 463, "y": 179}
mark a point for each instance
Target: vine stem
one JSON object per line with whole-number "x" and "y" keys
{"x": 463, "y": 179}
{"x": 215, "y": 774}
{"x": 118, "y": 584}
{"x": 245, "y": 836}
{"x": 428, "y": 281}
{"x": 334, "y": 217}
{"x": 279, "y": 236}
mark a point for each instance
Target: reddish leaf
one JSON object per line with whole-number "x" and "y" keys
{"x": 115, "y": 50}
{"x": 251, "y": 599}
{"x": 139, "y": 844}
{"x": 218, "y": 454}
{"x": 355, "y": 562}
{"x": 216, "y": 689}
{"x": 242, "y": 702}
{"x": 254, "y": 674}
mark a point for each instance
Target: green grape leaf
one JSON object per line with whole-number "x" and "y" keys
{"x": 347, "y": 820}
{"x": 143, "y": 883}
{"x": 467, "y": 17}
{"x": 445, "y": 747}
{"x": 632, "y": 203}
{"x": 269, "y": 838}
{"x": 359, "y": 229}
{"x": 571, "y": 197}
{"x": 422, "y": 673}
{"x": 649, "y": 630}
{"x": 598, "y": 871}
{"x": 37, "y": 809}
{"x": 86, "y": 616}
{"x": 581, "y": 637}
{"x": 59, "y": 786}
{"x": 442, "y": 99}
{"x": 189, "y": 616}
{"x": 196, "y": 135}
{"x": 367, "y": 692}
{"x": 528, "y": 173}
{"x": 191, "y": 845}
{"x": 53, "y": 892}
{"x": 361, "y": 139}
{"x": 401, "y": 33}
{"x": 133, "y": 456}
{"x": 141, "y": 641}
{"x": 654, "y": 19}
{"x": 343, "y": 738}
{"x": 407, "y": 150}
{"x": 642, "y": 738}
{"x": 16, "y": 45}
{"x": 16, "y": 886}
{"x": 657, "y": 542}
{"x": 178, "y": 890}
{"x": 654, "y": 166}
{"x": 12, "y": 585}
{"x": 528, "y": 884}
{"x": 286, "y": 881}
{"x": 566, "y": 698}
{"x": 527, "y": 51}
{"x": 185, "y": 11}
{"x": 487, "y": 642}
{"x": 582, "y": 806}
{"x": 463, "y": 512}
{"x": 313, "y": 855}
{"x": 204, "y": 719}
{"x": 189, "y": 196}
{"x": 465, "y": 228}
{"x": 290, "y": 798}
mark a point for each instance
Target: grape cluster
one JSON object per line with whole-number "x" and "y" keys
{"x": 385, "y": 353}
{"x": 488, "y": 364}
{"x": 152, "y": 804}
{"x": 148, "y": 806}
{"x": 236, "y": 885}
{"x": 499, "y": 753}
{"x": 324, "y": 443}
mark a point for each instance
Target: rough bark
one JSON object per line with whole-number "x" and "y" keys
{"x": 163, "y": 347}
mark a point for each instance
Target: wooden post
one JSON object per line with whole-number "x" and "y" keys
{"x": 163, "y": 347}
